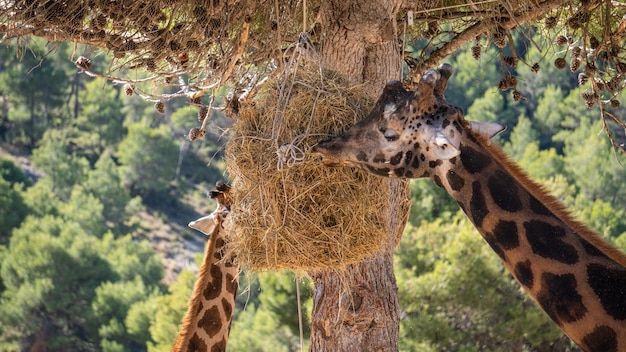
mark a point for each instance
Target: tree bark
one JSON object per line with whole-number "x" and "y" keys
{"x": 358, "y": 310}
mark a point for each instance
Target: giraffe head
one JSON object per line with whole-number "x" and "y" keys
{"x": 210, "y": 223}
{"x": 408, "y": 132}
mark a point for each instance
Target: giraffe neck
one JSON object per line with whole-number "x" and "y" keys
{"x": 207, "y": 323}
{"x": 577, "y": 278}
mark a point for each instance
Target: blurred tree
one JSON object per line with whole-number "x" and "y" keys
{"x": 430, "y": 202}
{"x": 587, "y": 161}
{"x": 256, "y": 330}
{"x": 139, "y": 317}
{"x": 547, "y": 116}
{"x": 13, "y": 209}
{"x": 36, "y": 90}
{"x": 524, "y": 149}
{"x": 41, "y": 199}
{"x": 456, "y": 297}
{"x": 148, "y": 158}
{"x": 534, "y": 84}
{"x": 99, "y": 124}
{"x": 472, "y": 78}
{"x": 12, "y": 173}
{"x": 493, "y": 106}
{"x": 85, "y": 210}
{"x": 111, "y": 308}
{"x": 62, "y": 168}
{"x": 170, "y": 311}
{"x": 104, "y": 183}
{"x": 46, "y": 297}
{"x": 521, "y": 135}
{"x": 278, "y": 296}
{"x": 130, "y": 259}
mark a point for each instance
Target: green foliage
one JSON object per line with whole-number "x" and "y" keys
{"x": 256, "y": 330}
{"x": 148, "y": 157}
{"x": 117, "y": 304}
{"x": 492, "y": 106}
{"x": 471, "y": 78}
{"x": 80, "y": 288}
{"x": 85, "y": 210}
{"x": 13, "y": 174}
{"x": 142, "y": 263}
{"x": 41, "y": 199}
{"x": 12, "y": 209}
{"x": 55, "y": 160}
{"x": 430, "y": 202}
{"x": 589, "y": 159}
{"x": 547, "y": 114}
{"x": 43, "y": 287}
{"x": 105, "y": 184}
{"x": 100, "y": 121}
{"x": 456, "y": 296}
{"x": 38, "y": 90}
{"x": 280, "y": 298}
{"x": 171, "y": 309}
{"x": 139, "y": 318}
{"x": 534, "y": 85}
{"x": 522, "y": 134}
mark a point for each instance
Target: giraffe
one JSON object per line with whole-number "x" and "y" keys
{"x": 576, "y": 277}
{"x": 206, "y": 325}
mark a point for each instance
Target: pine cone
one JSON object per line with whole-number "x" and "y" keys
{"x": 159, "y": 107}
{"x": 574, "y": 65}
{"x": 560, "y": 63}
{"x": 550, "y": 22}
{"x": 83, "y": 63}
{"x": 614, "y": 103}
{"x": 535, "y": 67}
{"x": 560, "y": 40}
{"x": 129, "y": 89}
{"x": 196, "y": 133}
{"x": 476, "y": 51}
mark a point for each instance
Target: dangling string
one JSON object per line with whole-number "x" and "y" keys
{"x": 289, "y": 154}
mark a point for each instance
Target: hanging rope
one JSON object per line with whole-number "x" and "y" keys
{"x": 288, "y": 154}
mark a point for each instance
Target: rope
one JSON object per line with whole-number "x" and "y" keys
{"x": 289, "y": 154}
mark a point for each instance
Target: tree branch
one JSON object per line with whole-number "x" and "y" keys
{"x": 477, "y": 29}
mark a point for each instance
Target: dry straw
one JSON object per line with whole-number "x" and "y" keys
{"x": 290, "y": 211}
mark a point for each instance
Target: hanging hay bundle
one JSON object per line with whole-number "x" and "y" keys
{"x": 290, "y": 211}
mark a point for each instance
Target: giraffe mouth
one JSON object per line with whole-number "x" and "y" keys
{"x": 327, "y": 150}
{"x": 334, "y": 163}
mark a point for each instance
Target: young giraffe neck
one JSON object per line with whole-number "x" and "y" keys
{"x": 576, "y": 277}
{"x": 206, "y": 325}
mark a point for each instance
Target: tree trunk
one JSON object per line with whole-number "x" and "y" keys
{"x": 359, "y": 40}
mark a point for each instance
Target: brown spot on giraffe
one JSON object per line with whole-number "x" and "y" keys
{"x": 602, "y": 338}
{"x": 207, "y": 323}
{"x": 560, "y": 298}
{"x": 570, "y": 271}
{"x": 524, "y": 274}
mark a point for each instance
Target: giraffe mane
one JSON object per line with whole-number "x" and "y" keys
{"x": 550, "y": 201}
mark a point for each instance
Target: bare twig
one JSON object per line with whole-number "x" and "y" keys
{"x": 243, "y": 39}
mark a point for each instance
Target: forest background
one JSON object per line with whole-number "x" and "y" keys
{"x": 96, "y": 190}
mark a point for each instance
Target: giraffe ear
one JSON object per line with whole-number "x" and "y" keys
{"x": 205, "y": 224}
{"x": 443, "y": 147}
{"x": 487, "y": 129}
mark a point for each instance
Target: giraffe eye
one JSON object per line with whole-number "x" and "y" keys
{"x": 390, "y": 134}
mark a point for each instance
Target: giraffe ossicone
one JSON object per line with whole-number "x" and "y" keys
{"x": 575, "y": 276}
{"x": 206, "y": 325}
